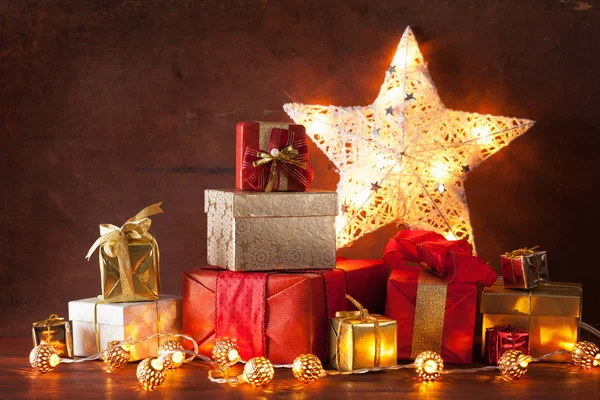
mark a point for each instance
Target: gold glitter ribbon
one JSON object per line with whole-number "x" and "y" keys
{"x": 430, "y": 308}
{"x": 264, "y": 137}
{"x": 114, "y": 242}
{"x": 515, "y": 254}
{"x": 287, "y": 155}
{"x": 363, "y": 315}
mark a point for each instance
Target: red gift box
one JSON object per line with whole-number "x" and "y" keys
{"x": 435, "y": 299}
{"x": 276, "y": 315}
{"x": 254, "y": 166}
{"x": 500, "y": 339}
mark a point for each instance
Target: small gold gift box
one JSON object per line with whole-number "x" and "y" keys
{"x": 129, "y": 259}
{"x": 56, "y": 332}
{"x": 359, "y": 340}
{"x": 551, "y": 313}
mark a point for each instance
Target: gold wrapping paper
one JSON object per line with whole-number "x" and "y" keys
{"x": 56, "y": 332}
{"x": 119, "y": 321}
{"x": 356, "y": 340}
{"x": 252, "y": 231}
{"x": 145, "y": 272}
{"x": 551, "y": 313}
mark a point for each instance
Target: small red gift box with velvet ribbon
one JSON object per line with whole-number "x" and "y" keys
{"x": 432, "y": 293}
{"x": 501, "y": 338}
{"x": 272, "y": 156}
{"x": 277, "y": 315}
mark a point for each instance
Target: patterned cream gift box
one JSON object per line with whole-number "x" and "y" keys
{"x": 120, "y": 321}
{"x": 253, "y": 231}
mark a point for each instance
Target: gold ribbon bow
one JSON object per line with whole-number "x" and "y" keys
{"x": 362, "y": 314}
{"x": 114, "y": 243}
{"x": 288, "y": 155}
{"x": 51, "y": 320}
{"x": 521, "y": 252}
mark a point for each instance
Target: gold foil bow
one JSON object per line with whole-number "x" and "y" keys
{"x": 114, "y": 242}
{"x": 362, "y": 314}
{"x": 288, "y": 155}
{"x": 521, "y": 252}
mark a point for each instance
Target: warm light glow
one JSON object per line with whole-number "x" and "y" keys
{"x": 178, "y": 358}
{"x": 596, "y": 360}
{"x": 233, "y": 355}
{"x": 450, "y": 236}
{"x": 430, "y": 366}
{"x": 586, "y": 355}
{"x": 524, "y": 361}
{"x": 409, "y": 145}
{"x": 307, "y": 368}
{"x": 54, "y": 360}
{"x": 156, "y": 364}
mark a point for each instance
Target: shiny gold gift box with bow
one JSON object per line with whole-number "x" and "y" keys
{"x": 361, "y": 340}
{"x": 129, "y": 259}
{"x": 56, "y": 332}
{"x": 551, "y": 313}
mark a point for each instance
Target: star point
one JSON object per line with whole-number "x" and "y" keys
{"x": 424, "y": 146}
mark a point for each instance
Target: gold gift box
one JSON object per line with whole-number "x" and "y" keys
{"x": 145, "y": 272}
{"x": 356, "y": 340}
{"x": 253, "y": 231}
{"x": 56, "y": 332}
{"x": 551, "y": 313}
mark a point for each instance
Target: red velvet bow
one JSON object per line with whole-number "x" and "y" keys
{"x": 452, "y": 260}
{"x": 262, "y": 169}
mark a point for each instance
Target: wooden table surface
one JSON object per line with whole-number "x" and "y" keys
{"x": 88, "y": 380}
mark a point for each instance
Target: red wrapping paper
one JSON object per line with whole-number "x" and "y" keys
{"x": 499, "y": 339}
{"x": 459, "y": 315}
{"x": 297, "y": 307}
{"x": 248, "y": 135}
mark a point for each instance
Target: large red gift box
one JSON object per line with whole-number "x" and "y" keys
{"x": 279, "y": 315}
{"x": 432, "y": 293}
{"x": 254, "y": 140}
{"x": 459, "y": 315}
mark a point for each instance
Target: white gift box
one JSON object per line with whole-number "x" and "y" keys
{"x": 120, "y": 321}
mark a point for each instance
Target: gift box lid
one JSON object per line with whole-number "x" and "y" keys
{"x": 121, "y": 314}
{"x": 245, "y": 204}
{"x": 557, "y": 299}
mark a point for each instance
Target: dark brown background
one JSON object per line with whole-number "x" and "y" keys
{"x": 109, "y": 106}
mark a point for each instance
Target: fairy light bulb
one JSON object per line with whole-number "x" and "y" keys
{"x": 513, "y": 364}
{"x": 307, "y": 368}
{"x": 171, "y": 354}
{"x": 225, "y": 352}
{"x": 586, "y": 355}
{"x": 151, "y": 373}
{"x": 116, "y": 355}
{"x": 43, "y": 358}
{"x": 429, "y": 365}
{"x": 258, "y": 371}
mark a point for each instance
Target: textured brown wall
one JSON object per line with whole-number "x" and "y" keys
{"x": 108, "y": 106}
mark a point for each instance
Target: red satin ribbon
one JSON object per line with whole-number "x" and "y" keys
{"x": 258, "y": 176}
{"x": 452, "y": 260}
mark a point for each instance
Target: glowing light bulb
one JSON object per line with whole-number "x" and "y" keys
{"x": 43, "y": 358}
{"x": 450, "y": 236}
{"x": 317, "y": 127}
{"x": 513, "y": 364}
{"x": 586, "y": 355}
{"x": 116, "y": 355}
{"x": 483, "y": 135}
{"x": 429, "y": 365}
{"x": 171, "y": 354}
{"x": 307, "y": 368}
{"x": 258, "y": 371}
{"x": 151, "y": 373}
{"x": 225, "y": 352}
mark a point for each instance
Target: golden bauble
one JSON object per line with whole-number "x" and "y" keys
{"x": 586, "y": 355}
{"x": 43, "y": 358}
{"x": 151, "y": 373}
{"x": 258, "y": 371}
{"x": 172, "y": 354}
{"x": 429, "y": 365}
{"x": 307, "y": 368}
{"x": 116, "y": 355}
{"x": 225, "y": 352}
{"x": 513, "y": 364}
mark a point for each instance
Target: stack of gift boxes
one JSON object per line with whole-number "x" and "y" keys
{"x": 275, "y": 286}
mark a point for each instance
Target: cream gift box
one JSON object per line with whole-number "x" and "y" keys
{"x": 254, "y": 231}
{"x": 120, "y": 321}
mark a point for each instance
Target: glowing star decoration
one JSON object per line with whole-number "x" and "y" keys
{"x": 405, "y": 157}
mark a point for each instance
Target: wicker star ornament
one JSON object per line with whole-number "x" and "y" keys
{"x": 405, "y": 157}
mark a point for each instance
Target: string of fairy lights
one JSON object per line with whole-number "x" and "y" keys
{"x": 306, "y": 368}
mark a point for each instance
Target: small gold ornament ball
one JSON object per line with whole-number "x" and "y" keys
{"x": 225, "y": 352}
{"x": 258, "y": 371}
{"x": 172, "y": 354}
{"x": 116, "y": 357}
{"x": 429, "y": 364}
{"x": 307, "y": 368}
{"x": 586, "y": 355}
{"x": 150, "y": 373}
{"x": 43, "y": 358}
{"x": 513, "y": 364}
